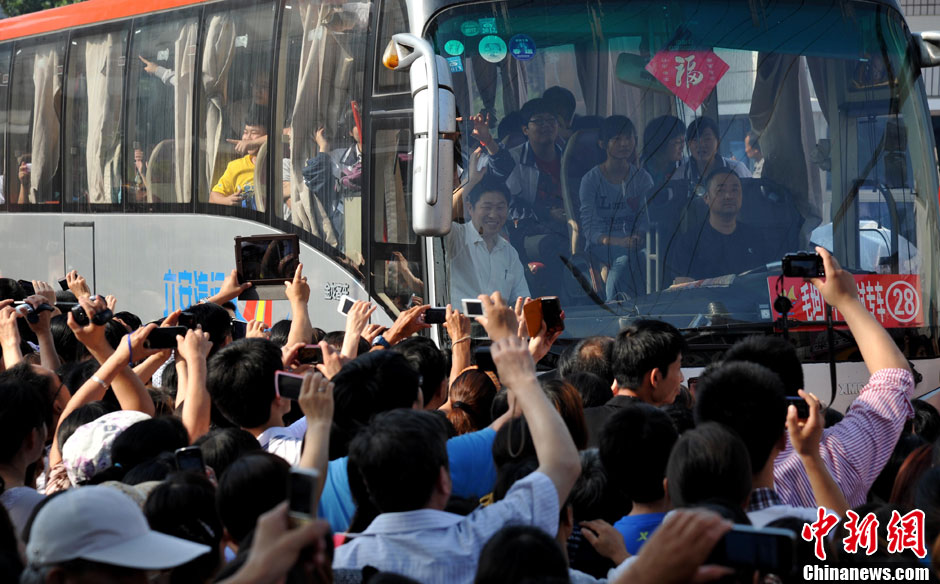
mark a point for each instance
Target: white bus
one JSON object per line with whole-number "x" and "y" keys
{"x": 119, "y": 120}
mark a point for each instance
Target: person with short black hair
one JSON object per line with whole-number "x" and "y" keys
{"x": 253, "y": 484}
{"x": 481, "y": 259}
{"x": 703, "y": 138}
{"x": 663, "y": 147}
{"x": 431, "y": 364}
{"x": 236, "y": 186}
{"x": 709, "y": 463}
{"x": 634, "y": 446}
{"x": 222, "y": 446}
{"x": 521, "y": 553}
{"x": 646, "y": 362}
{"x": 722, "y": 244}
{"x": 240, "y": 380}
{"x": 588, "y": 355}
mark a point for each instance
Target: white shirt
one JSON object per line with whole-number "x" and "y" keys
{"x": 475, "y": 269}
{"x": 435, "y": 546}
{"x": 774, "y": 512}
{"x": 285, "y": 442}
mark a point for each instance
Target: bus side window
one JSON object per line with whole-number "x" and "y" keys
{"x": 93, "y": 123}
{"x": 35, "y": 109}
{"x": 158, "y": 164}
{"x": 321, "y": 91}
{"x": 236, "y": 120}
{"x": 4, "y": 87}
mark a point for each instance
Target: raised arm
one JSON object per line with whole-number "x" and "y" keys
{"x": 9, "y": 335}
{"x": 316, "y": 402}
{"x": 229, "y": 290}
{"x": 356, "y": 321}
{"x": 838, "y": 289}
{"x": 194, "y": 350}
{"x": 805, "y": 438}
{"x": 556, "y": 452}
{"x": 47, "y": 354}
{"x": 298, "y": 292}
{"x": 458, "y": 328}
{"x": 474, "y": 175}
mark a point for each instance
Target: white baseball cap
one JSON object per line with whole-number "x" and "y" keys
{"x": 103, "y": 525}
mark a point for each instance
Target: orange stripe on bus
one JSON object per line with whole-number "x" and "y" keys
{"x": 82, "y": 14}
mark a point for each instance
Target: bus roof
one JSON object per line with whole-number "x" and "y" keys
{"x": 81, "y": 14}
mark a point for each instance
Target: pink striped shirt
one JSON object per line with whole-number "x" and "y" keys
{"x": 857, "y": 448}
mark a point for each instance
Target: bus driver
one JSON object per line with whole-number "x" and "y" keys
{"x": 481, "y": 259}
{"x": 236, "y": 185}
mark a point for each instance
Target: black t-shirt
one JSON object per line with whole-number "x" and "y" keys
{"x": 707, "y": 253}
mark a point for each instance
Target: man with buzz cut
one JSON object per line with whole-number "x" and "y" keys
{"x": 646, "y": 361}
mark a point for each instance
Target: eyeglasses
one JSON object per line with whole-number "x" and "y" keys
{"x": 544, "y": 122}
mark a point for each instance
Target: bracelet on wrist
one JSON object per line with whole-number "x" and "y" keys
{"x": 461, "y": 339}
{"x": 99, "y": 381}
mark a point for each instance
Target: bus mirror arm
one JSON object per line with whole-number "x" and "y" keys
{"x": 928, "y": 48}
{"x": 434, "y": 118}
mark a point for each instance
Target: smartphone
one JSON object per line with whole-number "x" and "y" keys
{"x": 435, "y": 315}
{"x": 766, "y": 549}
{"x": 345, "y": 304}
{"x": 301, "y": 493}
{"x": 239, "y": 329}
{"x": 310, "y": 354}
{"x": 101, "y": 317}
{"x": 551, "y": 313}
{"x": 64, "y": 284}
{"x": 190, "y": 459}
{"x": 532, "y": 312}
{"x": 802, "y": 407}
{"x": 187, "y": 319}
{"x": 803, "y": 265}
{"x": 164, "y": 338}
{"x": 27, "y": 287}
{"x": 483, "y": 359}
{"x": 287, "y": 384}
{"x": 472, "y": 307}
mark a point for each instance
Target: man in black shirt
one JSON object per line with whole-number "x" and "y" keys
{"x": 721, "y": 245}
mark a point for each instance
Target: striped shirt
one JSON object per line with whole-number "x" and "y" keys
{"x": 435, "y": 546}
{"x": 857, "y": 448}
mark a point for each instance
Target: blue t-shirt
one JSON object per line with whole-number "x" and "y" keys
{"x": 637, "y": 529}
{"x": 472, "y": 474}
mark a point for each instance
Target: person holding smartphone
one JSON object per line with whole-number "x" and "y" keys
{"x": 482, "y": 260}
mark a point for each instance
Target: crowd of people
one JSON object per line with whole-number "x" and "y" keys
{"x": 432, "y": 468}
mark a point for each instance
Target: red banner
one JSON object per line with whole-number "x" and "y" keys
{"x": 895, "y": 300}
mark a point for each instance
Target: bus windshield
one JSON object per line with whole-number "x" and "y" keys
{"x": 660, "y": 158}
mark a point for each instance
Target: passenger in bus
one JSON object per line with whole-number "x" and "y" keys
{"x": 613, "y": 204}
{"x": 165, "y": 75}
{"x": 723, "y": 244}
{"x": 24, "y": 174}
{"x": 663, "y": 147}
{"x": 562, "y": 102}
{"x": 237, "y": 183}
{"x": 480, "y": 257}
{"x": 335, "y": 174}
{"x": 752, "y": 149}
{"x": 702, "y": 138}
{"x": 238, "y": 110}
{"x": 533, "y": 174}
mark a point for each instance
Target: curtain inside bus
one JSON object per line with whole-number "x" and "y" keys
{"x": 47, "y": 93}
{"x": 216, "y": 62}
{"x": 183, "y": 104}
{"x": 103, "y": 79}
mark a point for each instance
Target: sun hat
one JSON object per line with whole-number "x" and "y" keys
{"x": 101, "y": 524}
{"x": 88, "y": 450}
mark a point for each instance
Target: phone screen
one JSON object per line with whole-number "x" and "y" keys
{"x": 262, "y": 259}
{"x": 288, "y": 384}
{"x": 301, "y": 490}
{"x": 190, "y": 458}
{"x": 345, "y": 304}
{"x": 164, "y": 338}
{"x": 310, "y": 354}
{"x": 435, "y": 315}
{"x": 472, "y": 307}
{"x": 802, "y": 408}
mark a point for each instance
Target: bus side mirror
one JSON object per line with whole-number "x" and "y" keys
{"x": 928, "y": 48}
{"x": 435, "y": 123}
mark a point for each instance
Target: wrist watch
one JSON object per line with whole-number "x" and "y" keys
{"x": 380, "y": 340}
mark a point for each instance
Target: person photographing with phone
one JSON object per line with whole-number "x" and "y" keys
{"x": 482, "y": 259}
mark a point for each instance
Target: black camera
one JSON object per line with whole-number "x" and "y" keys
{"x": 100, "y": 318}
{"x": 803, "y": 265}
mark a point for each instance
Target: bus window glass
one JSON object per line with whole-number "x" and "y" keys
{"x": 662, "y": 159}
{"x": 396, "y": 266}
{"x": 158, "y": 159}
{"x": 4, "y": 92}
{"x": 35, "y": 108}
{"x": 394, "y": 20}
{"x": 235, "y": 109}
{"x": 93, "y": 125}
{"x": 321, "y": 88}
